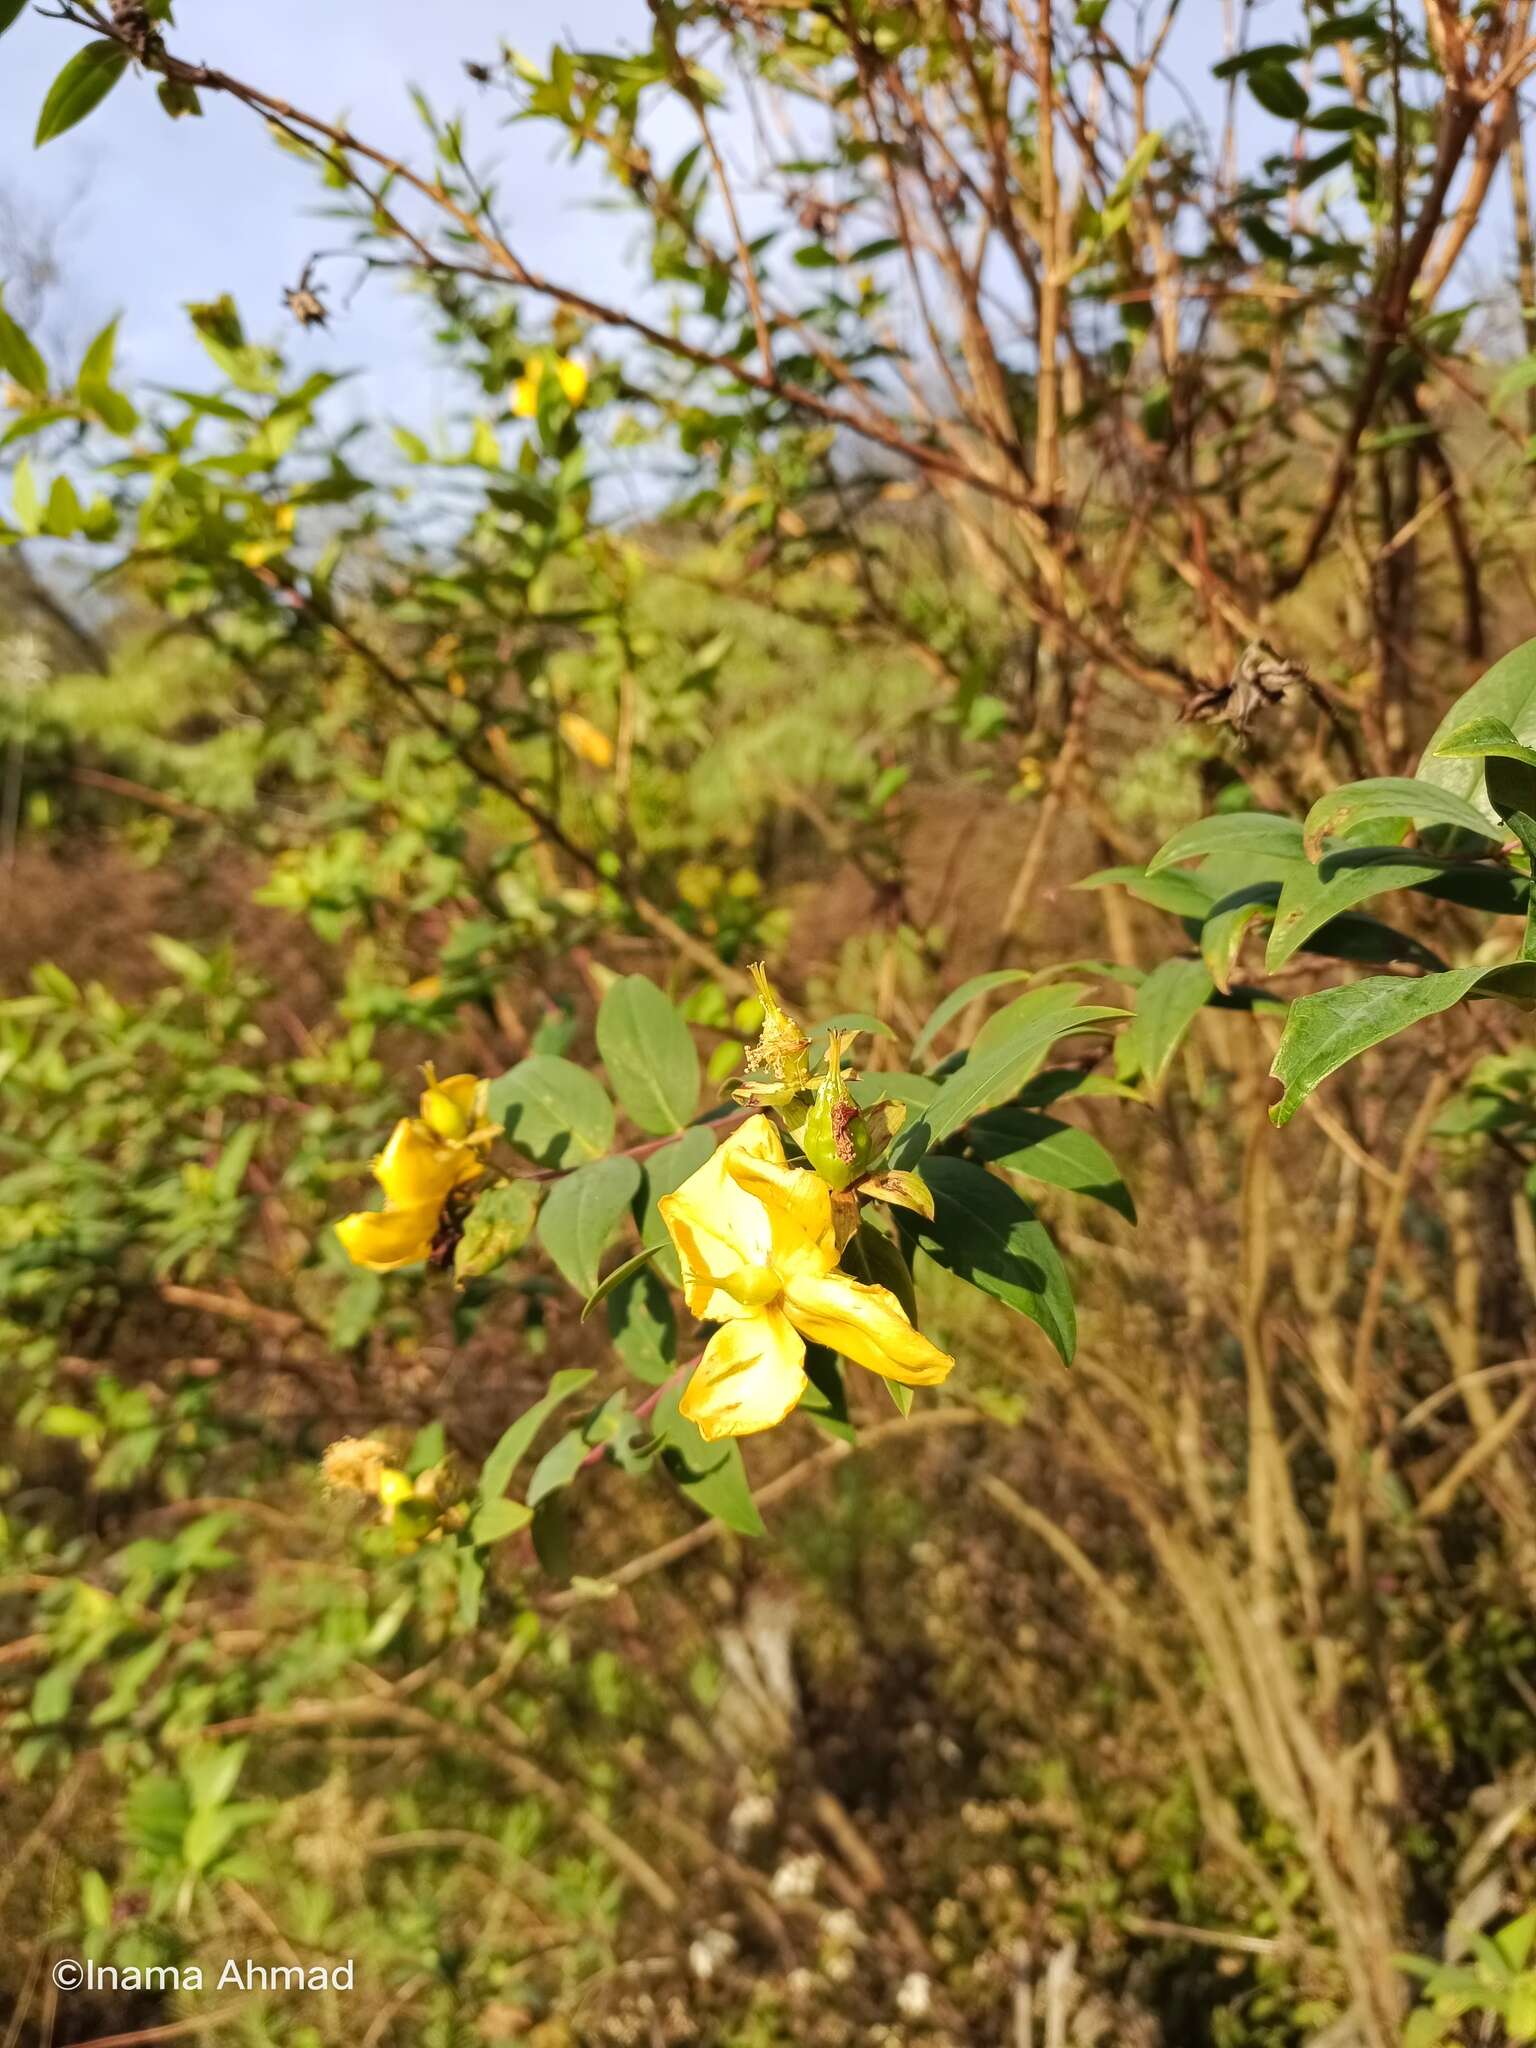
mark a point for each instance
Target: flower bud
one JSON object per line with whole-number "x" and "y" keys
{"x": 448, "y": 1107}
{"x": 835, "y": 1138}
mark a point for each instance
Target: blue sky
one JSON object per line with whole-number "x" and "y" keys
{"x": 157, "y": 213}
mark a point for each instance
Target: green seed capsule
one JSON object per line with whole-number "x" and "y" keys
{"x": 835, "y": 1137}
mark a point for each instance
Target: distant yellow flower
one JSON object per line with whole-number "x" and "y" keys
{"x": 570, "y": 375}
{"x": 585, "y": 740}
{"x": 427, "y": 1157}
{"x": 758, "y": 1251}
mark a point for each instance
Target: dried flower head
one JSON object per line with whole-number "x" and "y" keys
{"x": 354, "y": 1464}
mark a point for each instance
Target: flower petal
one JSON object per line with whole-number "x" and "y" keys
{"x": 417, "y": 1167}
{"x": 751, "y": 1375}
{"x": 382, "y": 1239}
{"x": 799, "y": 1206}
{"x": 867, "y": 1324}
{"x": 717, "y": 1226}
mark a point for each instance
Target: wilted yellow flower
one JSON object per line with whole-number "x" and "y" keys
{"x": 354, "y": 1464}
{"x": 427, "y": 1157}
{"x": 570, "y": 375}
{"x": 758, "y": 1251}
{"x": 782, "y": 1046}
{"x": 585, "y": 740}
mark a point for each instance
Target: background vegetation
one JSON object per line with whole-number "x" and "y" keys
{"x": 1014, "y": 449}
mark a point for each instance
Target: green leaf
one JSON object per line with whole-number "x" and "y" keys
{"x": 429, "y": 1447}
{"x": 1044, "y": 1148}
{"x": 1279, "y": 92}
{"x": 1185, "y": 895}
{"x": 712, "y": 1476}
{"x": 1013, "y": 1017}
{"x": 1262, "y": 832}
{"x": 500, "y": 1223}
{"x": 1222, "y": 933}
{"x": 555, "y": 1112}
{"x": 499, "y": 1519}
{"x": 958, "y": 999}
{"x": 1312, "y": 897}
{"x": 870, "y": 1256}
{"x": 559, "y": 1464}
{"x": 24, "y": 496}
{"x": 1479, "y": 738}
{"x": 582, "y": 1212}
{"x": 18, "y": 358}
{"x": 514, "y": 1442}
{"x": 63, "y": 1420}
{"x": 825, "y": 1400}
{"x": 1388, "y": 798}
{"x": 1513, "y": 1940}
{"x": 1167, "y": 1003}
{"x": 1517, "y": 378}
{"x": 81, "y": 86}
{"x": 10, "y": 10}
{"x": 643, "y": 1327}
{"x": 619, "y": 1274}
{"x": 1325, "y": 1030}
{"x": 1507, "y": 692}
{"x": 992, "y": 1077}
{"x": 665, "y": 1171}
{"x": 985, "y": 1233}
{"x": 649, "y": 1054}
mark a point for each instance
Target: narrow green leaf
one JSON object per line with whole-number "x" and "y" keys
{"x": 1386, "y": 798}
{"x": 1324, "y": 1031}
{"x": 1262, "y": 832}
{"x": 649, "y": 1054}
{"x": 1044, "y": 1148}
{"x": 515, "y": 1441}
{"x": 18, "y": 358}
{"x": 619, "y": 1275}
{"x": 958, "y": 999}
{"x": 1313, "y": 897}
{"x": 1167, "y": 1003}
{"x": 1479, "y": 738}
{"x": 992, "y": 1077}
{"x": 80, "y": 87}
{"x": 10, "y": 10}
{"x": 1506, "y": 692}
{"x": 984, "y": 1232}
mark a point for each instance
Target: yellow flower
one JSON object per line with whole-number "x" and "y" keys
{"x": 571, "y": 376}
{"x": 756, "y": 1242}
{"x": 585, "y": 740}
{"x": 427, "y": 1157}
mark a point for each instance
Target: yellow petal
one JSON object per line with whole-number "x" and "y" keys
{"x": 416, "y": 1167}
{"x": 867, "y": 1324}
{"x": 799, "y": 1206}
{"x": 751, "y": 1375}
{"x": 525, "y": 392}
{"x": 717, "y": 1226}
{"x": 448, "y": 1107}
{"x": 572, "y": 378}
{"x": 382, "y": 1239}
